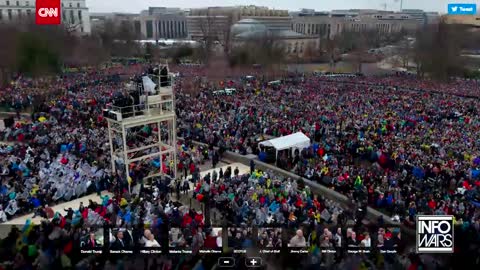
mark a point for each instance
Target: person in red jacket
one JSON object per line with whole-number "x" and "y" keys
{"x": 187, "y": 219}
{"x": 199, "y": 218}
{"x": 432, "y": 204}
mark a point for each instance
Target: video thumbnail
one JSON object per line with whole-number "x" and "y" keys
{"x": 389, "y": 239}
{"x": 197, "y": 240}
{"x": 92, "y": 239}
{"x": 178, "y": 239}
{"x": 148, "y": 239}
{"x": 297, "y": 239}
{"x": 270, "y": 240}
{"x": 358, "y": 241}
{"x": 121, "y": 240}
{"x": 327, "y": 240}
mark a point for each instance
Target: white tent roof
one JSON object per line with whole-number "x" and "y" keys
{"x": 295, "y": 140}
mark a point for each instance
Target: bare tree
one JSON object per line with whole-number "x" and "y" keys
{"x": 358, "y": 52}
{"x": 332, "y": 51}
{"x": 119, "y": 39}
{"x": 209, "y": 35}
{"x": 437, "y": 50}
{"x": 71, "y": 28}
{"x": 310, "y": 52}
{"x": 405, "y": 52}
{"x": 8, "y": 53}
{"x": 226, "y": 35}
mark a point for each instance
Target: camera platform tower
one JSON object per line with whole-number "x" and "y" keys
{"x": 143, "y": 135}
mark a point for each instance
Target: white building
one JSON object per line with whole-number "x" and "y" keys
{"x": 156, "y": 23}
{"x": 75, "y": 15}
{"x": 332, "y": 23}
{"x": 163, "y": 23}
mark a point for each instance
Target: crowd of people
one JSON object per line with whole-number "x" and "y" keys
{"x": 370, "y": 140}
{"x": 386, "y": 147}
{"x": 456, "y": 86}
{"x": 270, "y": 238}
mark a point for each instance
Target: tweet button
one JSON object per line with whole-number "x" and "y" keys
{"x": 462, "y": 9}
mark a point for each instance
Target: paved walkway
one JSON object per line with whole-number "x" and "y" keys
{"x": 58, "y": 208}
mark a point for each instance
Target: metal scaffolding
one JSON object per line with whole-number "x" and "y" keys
{"x": 144, "y": 134}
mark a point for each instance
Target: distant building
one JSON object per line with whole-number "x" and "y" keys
{"x": 152, "y": 24}
{"x": 163, "y": 23}
{"x": 318, "y": 24}
{"x": 330, "y": 24}
{"x": 75, "y": 14}
{"x": 470, "y": 20}
{"x": 227, "y": 16}
{"x": 296, "y": 45}
{"x": 98, "y": 21}
{"x": 213, "y": 26}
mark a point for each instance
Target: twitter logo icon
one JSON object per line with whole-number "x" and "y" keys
{"x": 462, "y": 9}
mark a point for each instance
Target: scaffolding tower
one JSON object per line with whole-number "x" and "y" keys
{"x": 143, "y": 135}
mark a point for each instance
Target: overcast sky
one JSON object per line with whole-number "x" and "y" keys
{"x": 135, "y": 6}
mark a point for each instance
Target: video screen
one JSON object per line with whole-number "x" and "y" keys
{"x": 198, "y": 240}
{"x": 272, "y": 134}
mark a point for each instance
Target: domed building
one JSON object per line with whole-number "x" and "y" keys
{"x": 248, "y": 26}
{"x": 295, "y": 44}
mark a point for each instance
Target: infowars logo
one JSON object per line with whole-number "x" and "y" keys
{"x": 48, "y": 12}
{"x": 434, "y": 234}
{"x": 462, "y": 9}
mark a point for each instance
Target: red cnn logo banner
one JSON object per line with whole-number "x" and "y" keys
{"x": 48, "y": 12}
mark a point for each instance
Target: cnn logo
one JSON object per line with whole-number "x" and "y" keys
{"x": 48, "y": 12}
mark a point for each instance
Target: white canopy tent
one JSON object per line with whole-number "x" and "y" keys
{"x": 293, "y": 141}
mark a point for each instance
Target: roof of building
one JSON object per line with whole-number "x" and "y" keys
{"x": 249, "y": 21}
{"x": 281, "y": 34}
{"x": 287, "y": 34}
{"x": 251, "y": 28}
{"x": 251, "y": 34}
{"x": 248, "y": 28}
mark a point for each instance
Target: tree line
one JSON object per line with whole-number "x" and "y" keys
{"x": 38, "y": 50}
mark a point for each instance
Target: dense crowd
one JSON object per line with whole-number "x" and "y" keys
{"x": 389, "y": 146}
{"x": 60, "y": 152}
{"x": 457, "y": 86}
{"x": 377, "y": 145}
